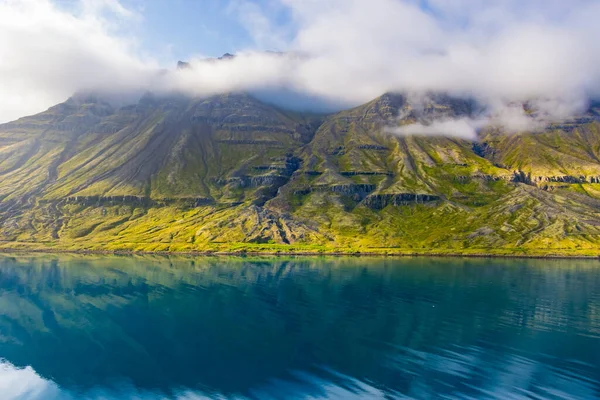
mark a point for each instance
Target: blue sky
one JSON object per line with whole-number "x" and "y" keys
{"x": 187, "y": 27}
{"x": 181, "y": 29}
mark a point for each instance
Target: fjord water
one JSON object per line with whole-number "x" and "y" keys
{"x": 110, "y": 327}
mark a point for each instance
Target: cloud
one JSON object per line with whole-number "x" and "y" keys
{"x": 22, "y": 383}
{"x": 260, "y": 26}
{"x": 46, "y": 54}
{"x": 339, "y": 53}
{"x": 381, "y": 45}
{"x": 464, "y": 128}
{"x": 533, "y": 116}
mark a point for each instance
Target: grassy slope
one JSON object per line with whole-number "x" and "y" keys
{"x": 180, "y": 148}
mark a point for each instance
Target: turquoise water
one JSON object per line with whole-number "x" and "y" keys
{"x": 108, "y": 327}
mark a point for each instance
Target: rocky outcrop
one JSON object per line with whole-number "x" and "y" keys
{"x": 354, "y": 173}
{"x": 266, "y": 180}
{"x": 527, "y": 178}
{"x": 286, "y": 166}
{"x": 312, "y": 173}
{"x": 560, "y": 179}
{"x": 521, "y": 177}
{"x": 283, "y": 168}
{"x": 380, "y": 201}
{"x": 357, "y": 191}
{"x": 372, "y": 147}
{"x": 360, "y": 190}
{"x": 571, "y": 124}
{"x": 246, "y": 181}
{"x": 191, "y": 202}
{"x": 338, "y": 151}
{"x": 478, "y": 177}
{"x": 482, "y": 149}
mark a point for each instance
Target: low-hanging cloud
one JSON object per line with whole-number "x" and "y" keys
{"x": 340, "y": 53}
{"x": 465, "y": 128}
{"x": 534, "y": 116}
{"x": 47, "y": 54}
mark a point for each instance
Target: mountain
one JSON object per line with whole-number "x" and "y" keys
{"x": 232, "y": 173}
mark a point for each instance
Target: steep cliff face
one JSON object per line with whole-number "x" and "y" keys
{"x": 230, "y": 172}
{"x": 353, "y": 151}
{"x": 567, "y": 148}
{"x": 161, "y": 147}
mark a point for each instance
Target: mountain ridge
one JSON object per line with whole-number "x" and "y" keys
{"x": 232, "y": 173}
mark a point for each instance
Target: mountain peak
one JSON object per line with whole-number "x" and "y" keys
{"x": 186, "y": 65}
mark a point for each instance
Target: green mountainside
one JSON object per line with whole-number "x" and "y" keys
{"x": 231, "y": 173}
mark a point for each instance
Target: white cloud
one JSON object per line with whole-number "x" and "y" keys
{"x": 27, "y": 384}
{"x": 259, "y": 25}
{"x": 95, "y": 7}
{"x": 46, "y": 54}
{"x": 363, "y": 48}
{"x": 24, "y": 383}
{"x": 341, "y": 52}
{"x": 510, "y": 117}
{"x": 464, "y": 128}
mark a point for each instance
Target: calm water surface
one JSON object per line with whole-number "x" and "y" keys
{"x": 92, "y": 327}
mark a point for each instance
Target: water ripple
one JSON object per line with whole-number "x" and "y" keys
{"x": 150, "y": 328}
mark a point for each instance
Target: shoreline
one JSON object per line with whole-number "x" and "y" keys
{"x": 245, "y": 253}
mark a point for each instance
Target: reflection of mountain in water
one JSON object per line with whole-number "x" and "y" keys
{"x": 257, "y": 326}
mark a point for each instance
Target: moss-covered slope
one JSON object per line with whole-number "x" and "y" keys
{"x": 232, "y": 173}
